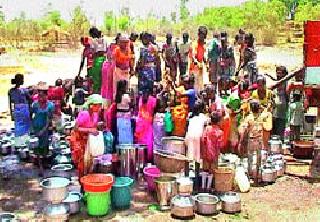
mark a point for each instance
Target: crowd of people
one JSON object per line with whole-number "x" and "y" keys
{"x": 129, "y": 98}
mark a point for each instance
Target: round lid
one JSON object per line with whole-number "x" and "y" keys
{"x": 55, "y": 209}
{"x": 54, "y": 182}
{"x": 62, "y": 167}
{"x": 207, "y": 198}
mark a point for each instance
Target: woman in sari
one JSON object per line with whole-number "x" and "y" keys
{"x": 122, "y": 58}
{"x": 19, "y": 108}
{"x": 107, "y": 75}
{"x": 144, "y": 126}
{"x": 146, "y": 64}
{"x": 99, "y": 46}
{"x": 86, "y": 124}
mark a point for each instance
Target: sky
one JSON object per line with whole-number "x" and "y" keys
{"x": 95, "y": 8}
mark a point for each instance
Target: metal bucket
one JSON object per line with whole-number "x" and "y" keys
{"x": 166, "y": 188}
{"x": 141, "y": 157}
{"x": 54, "y": 189}
{"x": 127, "y": 153}
{"x": 174, "y": 144}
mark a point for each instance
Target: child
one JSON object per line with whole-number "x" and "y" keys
{"x": 56, "y": 95}
{"x": 212, "y": 142}
{"x": 296, "y": 115}
{"x": 190, "y": 91}
{"x": 42, "y": 111}
{"x": 193, "y": 136}
{"x": 233, "y": 105}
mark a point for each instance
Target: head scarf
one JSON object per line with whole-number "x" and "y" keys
{"x": 93, "y": 99}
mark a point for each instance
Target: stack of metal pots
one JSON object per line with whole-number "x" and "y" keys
{"x": 54, "y": 191}
{"x": 60, "y": 202}
{"x": 182, "y": 205}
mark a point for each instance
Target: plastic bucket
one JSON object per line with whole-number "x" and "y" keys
{"x": 98, "y": 203}
{"x": 150, "y": 174}
{"x": 224, "y": 177}
{"x": 97, "y": 182}
{"x": 121, "y": 192}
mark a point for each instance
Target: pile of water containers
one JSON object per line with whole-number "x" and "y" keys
{"x": 13, "y": 152}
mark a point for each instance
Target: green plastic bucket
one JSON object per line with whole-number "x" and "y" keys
{"x": 98, "y": 204}
{"x": 121, "y": 192}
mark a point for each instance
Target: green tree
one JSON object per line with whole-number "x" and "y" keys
{"x": 123, "y": 22}
{"x": 79, "y": 24}
{"x": 184, "y": 11}
{"x": 108, "y": 21}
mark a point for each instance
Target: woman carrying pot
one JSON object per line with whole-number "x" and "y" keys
{"x": 19, "y": 99}
{"x": 42, "y": 114}
{"x": 86, "y": 126}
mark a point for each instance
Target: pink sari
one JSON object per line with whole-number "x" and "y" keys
{"x": 144, "y": 126}
{"x": 107, "y": 80}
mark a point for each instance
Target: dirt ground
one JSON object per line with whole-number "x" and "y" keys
{"x": 289, "y": 199}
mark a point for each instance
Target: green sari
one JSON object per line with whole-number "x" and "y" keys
{"x": 95, "y": 73}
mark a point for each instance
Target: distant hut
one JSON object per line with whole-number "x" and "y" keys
{"x": 55, "y": 38}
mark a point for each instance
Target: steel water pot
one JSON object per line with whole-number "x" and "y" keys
{"x": 56, "y": 212}
{"x": 166, "y": 188}
{"x": 231, "y": 203}
{"x": 24, "y": 153}
{"x": 185, "y": 186}
{"x": 73, "y": 201}
{"x": 54, "y": 189}
{"x": 33, "y": 142}
{"x": 174, "y": 145}
{"x": 182, "y": 207}
{"x": 206, "y": 204}
{"x": 268, "y": 174}
{"x": 8, "y": 217}
{"x": 275, "y": 144}
{"x": 5, "y": 148}
{"x": 127, "y": 153}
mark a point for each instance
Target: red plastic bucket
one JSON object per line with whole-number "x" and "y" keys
{"x": 97, "y": 182}
{"x": 150, "y": 174}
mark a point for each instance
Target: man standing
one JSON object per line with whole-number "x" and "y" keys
{"x": 184, "y": 52}
{"x": 198, "y": 57}
{"x": 169, "y": 53}
{"x": 281, "y": 100}
{"x": 213, "y": 57}
{"x": 226, "y": 60}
